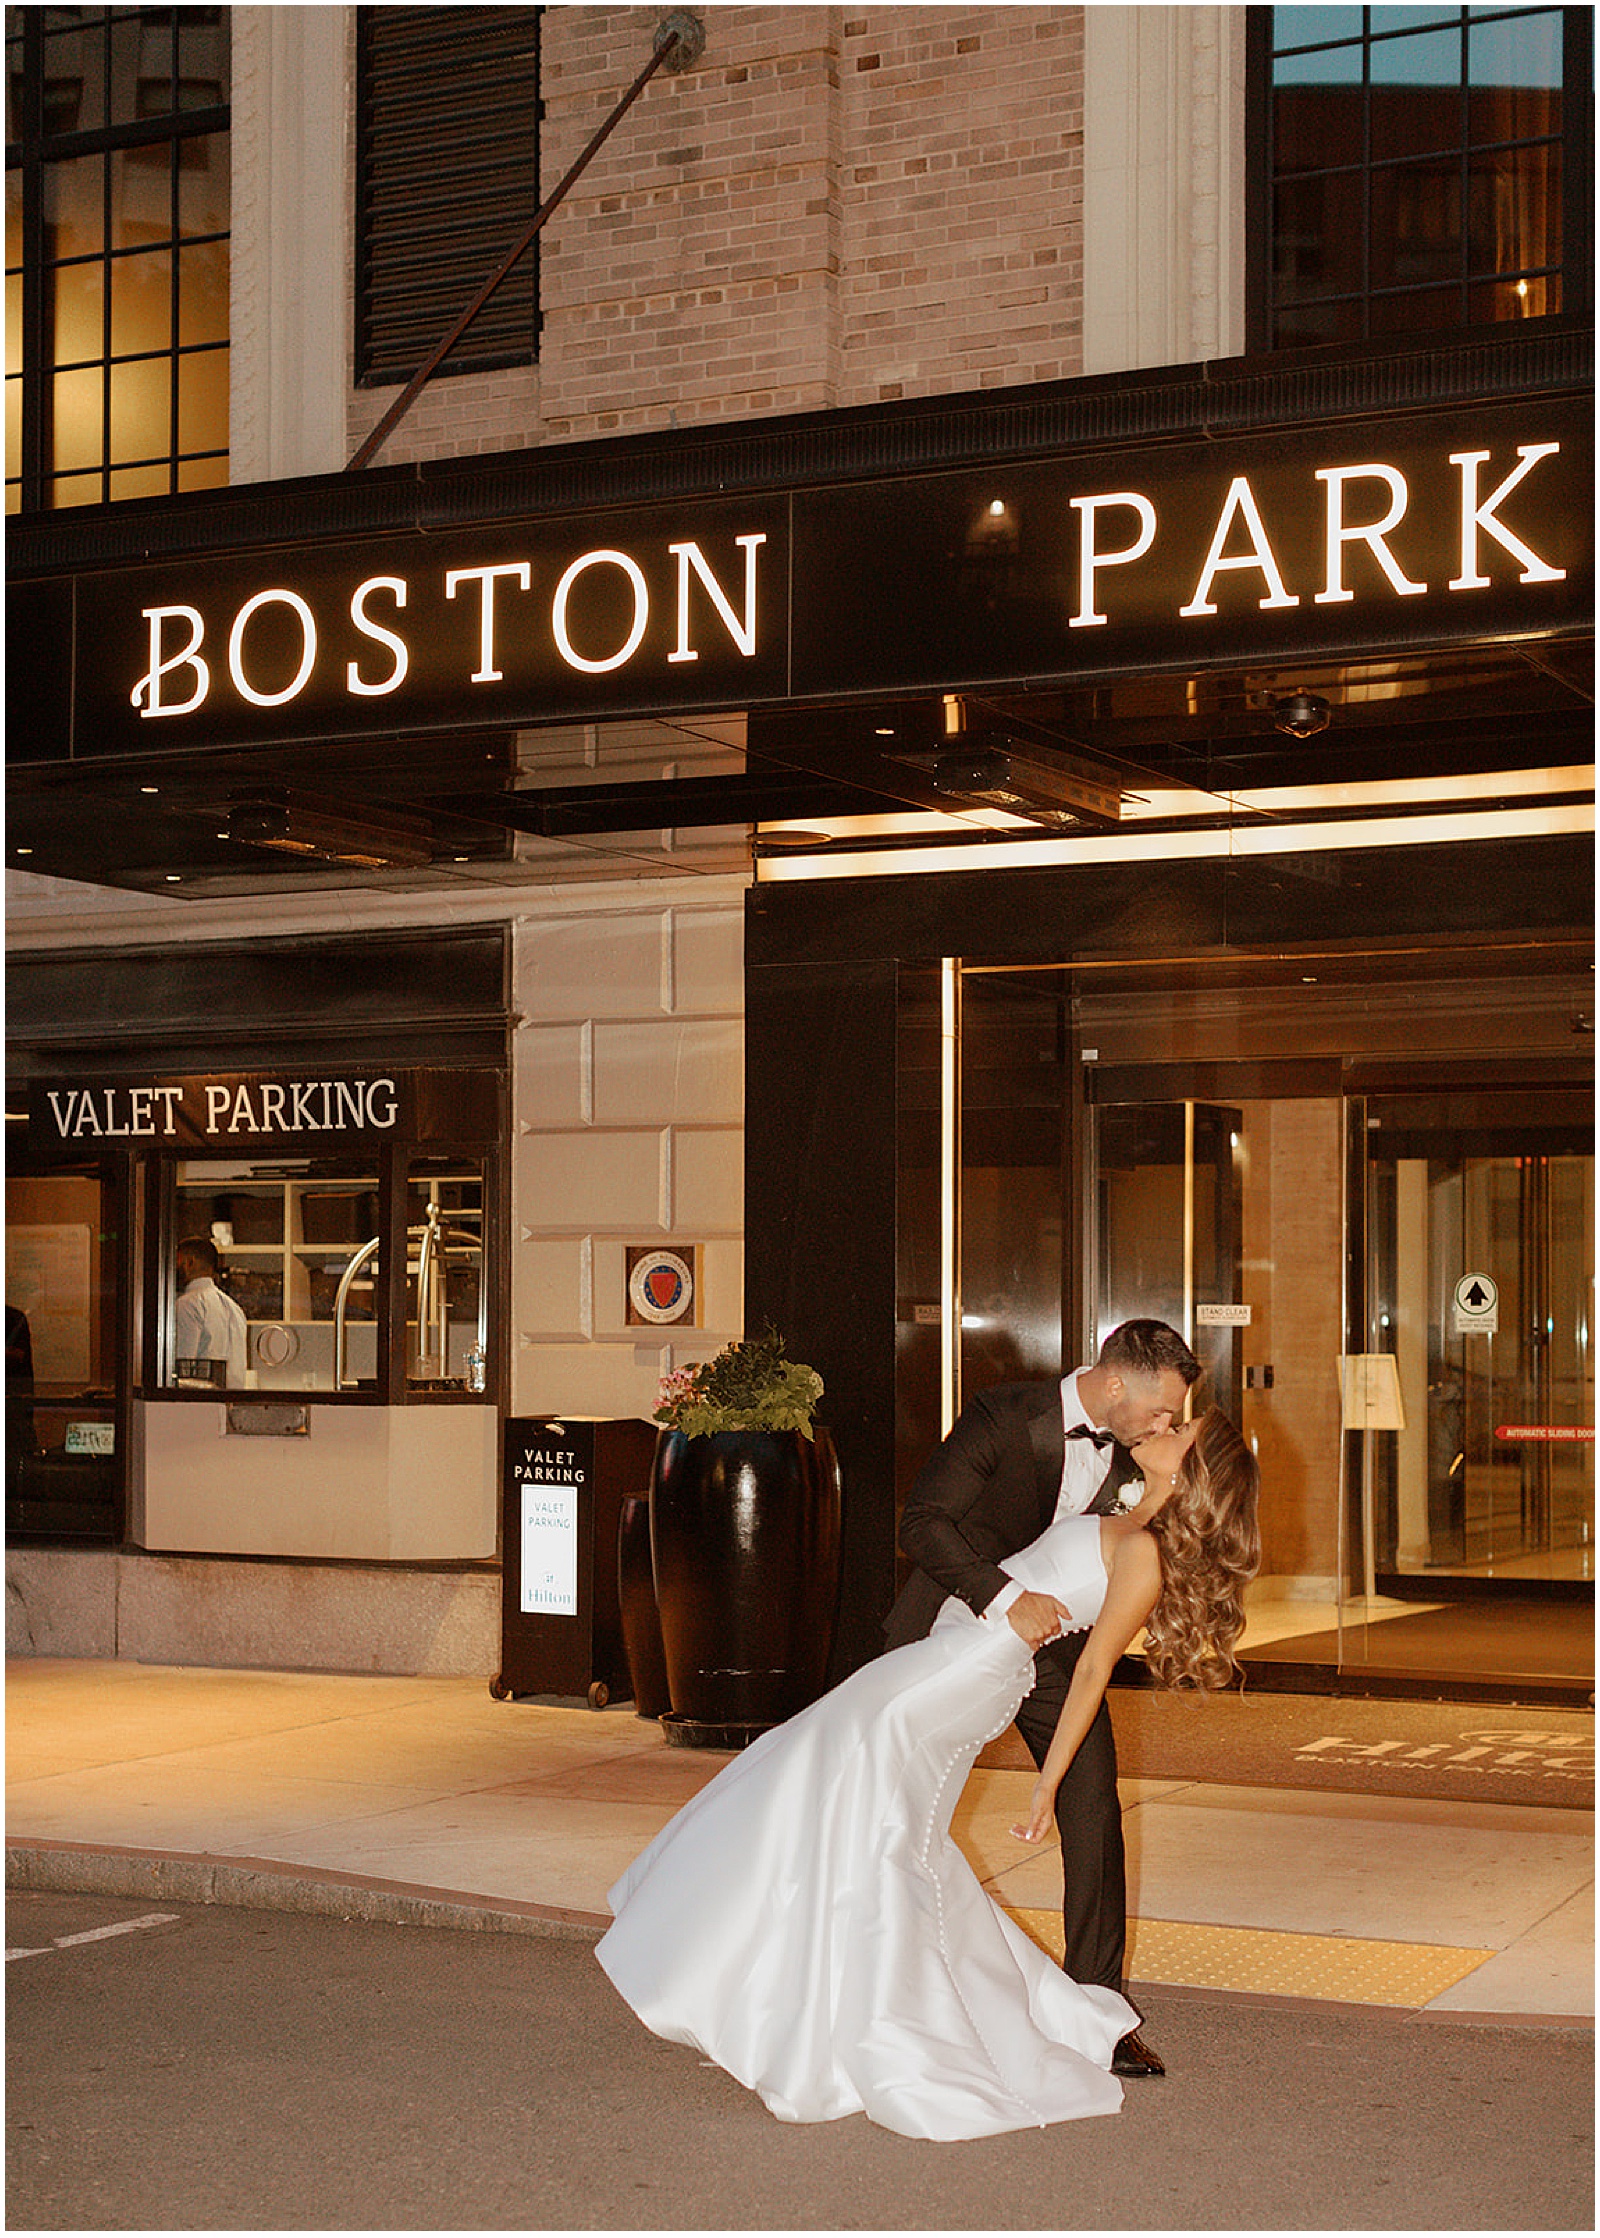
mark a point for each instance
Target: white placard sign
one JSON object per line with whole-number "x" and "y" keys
{"x": 1475, "y": 1306}
{"x": 1222, "y": 1316}
{"x": 549, "y": 1550}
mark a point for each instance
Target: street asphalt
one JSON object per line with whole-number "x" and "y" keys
{"x": 211, "y": 2068}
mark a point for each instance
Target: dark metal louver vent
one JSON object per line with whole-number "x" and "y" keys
{"x": 447, "y": 178}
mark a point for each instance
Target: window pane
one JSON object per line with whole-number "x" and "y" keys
{"x": 1422, "y": 312}
{"x": 1524, "y": 50}
{"x": 1538, "y": 297}
{"x": 75, "y": 413}
{"x": 13, "y": 427}
{"x": 203, "y": 293}
{"x": 1302, "y": 27}
{"x": 1319, "y": 226}
{"x": 203, "y": 185}
{"x": 203, "y": 473}
{"x": 140, "y": 426}
{"x": 1300, "y": 326}
{"x": 1412, "y": 19}
{"x": 445, "y": 1291}
{"x": 75, "y": 489}
{"x": 141, "y": 303}
{"x": 139, "y": 481}
{"x": 1330, "y": 66}
{"x": 203, "y": 402}
{"x": 80, "y": 297}
{"x": 1416, "y": 231}
{"x": 294, "y": 1257}
{"x": 74, "y": 79}
{"x": 141, "y": 197}
{"x": 141, "y": 68}
{"x": 1416, "y": 95}
{"x": 203, "y": 58}
{"x": 74, "y": 205}
{"x": 1318, "y": 127}
{"x": 1516, "y": 209}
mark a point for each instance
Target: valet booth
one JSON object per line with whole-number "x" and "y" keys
{"x": 354, "y": 1198}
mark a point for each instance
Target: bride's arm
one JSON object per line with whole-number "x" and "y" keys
{"x": 1131, "y": 1593}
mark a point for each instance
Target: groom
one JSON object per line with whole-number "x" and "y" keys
{"x": 1021, "y": 1455}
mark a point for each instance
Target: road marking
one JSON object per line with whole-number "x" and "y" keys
{"x": 96, "y": 1934}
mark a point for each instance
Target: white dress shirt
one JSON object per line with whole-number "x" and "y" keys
{"x": 209, "y": 1325}
{"x": 1083, "y": 1471}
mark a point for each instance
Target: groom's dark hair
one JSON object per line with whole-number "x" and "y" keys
{"x": 1148, "y": 1348}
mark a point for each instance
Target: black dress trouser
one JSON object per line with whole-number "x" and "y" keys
{"x": 1089, "y": 1821}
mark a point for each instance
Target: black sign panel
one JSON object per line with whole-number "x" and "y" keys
{"x": 1456, "y": 526}
{"x": 1315, "y": 542}
{"x": 501, "y": 626}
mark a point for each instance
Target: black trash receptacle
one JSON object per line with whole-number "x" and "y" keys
{"x": 563, "y": 1482}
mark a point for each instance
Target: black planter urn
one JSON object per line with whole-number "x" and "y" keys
{"x": 641, "y": 1624}
{"x": 744, "y": 1541}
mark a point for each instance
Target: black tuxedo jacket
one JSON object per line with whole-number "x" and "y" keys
{"x": 990, "y": 1488}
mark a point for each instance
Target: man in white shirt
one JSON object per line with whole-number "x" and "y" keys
{"x": 1021, "y": 1455}
{"x": 207, "y": 1325}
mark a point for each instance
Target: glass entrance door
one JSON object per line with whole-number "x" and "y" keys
{"x": 1479, "y": 1286}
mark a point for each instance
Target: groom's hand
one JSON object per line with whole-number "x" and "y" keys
{"x": 1036, "y": 1617}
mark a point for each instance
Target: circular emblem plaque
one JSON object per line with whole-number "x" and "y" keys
{"x": 661, "y": 1286}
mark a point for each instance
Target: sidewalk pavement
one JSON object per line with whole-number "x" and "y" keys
{"x": 425, "y": 1801}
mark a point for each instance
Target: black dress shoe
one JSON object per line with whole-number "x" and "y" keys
{"x": 1133, "y": 2056}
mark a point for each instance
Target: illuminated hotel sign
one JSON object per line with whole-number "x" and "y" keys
{"x": 1260, "y": 547}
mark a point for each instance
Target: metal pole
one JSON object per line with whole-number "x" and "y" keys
{"x": 680, "y": 40}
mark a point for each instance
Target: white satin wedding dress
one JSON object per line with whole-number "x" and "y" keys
{"x": 808, "y": 1923}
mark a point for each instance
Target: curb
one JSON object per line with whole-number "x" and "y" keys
{"x": 259, "y": 1884}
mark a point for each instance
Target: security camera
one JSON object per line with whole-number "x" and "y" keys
{"x": 1302, "y": 715}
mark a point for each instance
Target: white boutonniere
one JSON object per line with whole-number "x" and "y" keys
{"x": 1129, "y": 1495}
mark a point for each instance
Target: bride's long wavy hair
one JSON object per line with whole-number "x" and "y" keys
{"x": 1210, "y": 1547}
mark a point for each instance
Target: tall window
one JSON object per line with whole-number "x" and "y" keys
{"x": 117, "y": 199}
{"x": 447, "y": 179}
{"x": 1423, "y": 168}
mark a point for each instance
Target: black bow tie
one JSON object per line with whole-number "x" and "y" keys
{"x": 1101, "y": 1439}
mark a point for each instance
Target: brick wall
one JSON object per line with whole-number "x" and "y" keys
{"x": 961, "y": 192}
{"x": 832, "y": 207}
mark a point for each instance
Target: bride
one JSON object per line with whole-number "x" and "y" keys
{"x": 807, "y": 1921}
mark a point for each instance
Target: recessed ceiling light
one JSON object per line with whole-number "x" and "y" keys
{"x": 174, "y": 878}
{"x": 149, "y": 788}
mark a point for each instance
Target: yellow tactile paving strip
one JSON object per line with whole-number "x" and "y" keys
{"x": 1339, "y": 1969}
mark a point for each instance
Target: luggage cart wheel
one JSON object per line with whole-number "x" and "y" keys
{"x": 499, "y": 1689}
{"x": 599, "y": 1695}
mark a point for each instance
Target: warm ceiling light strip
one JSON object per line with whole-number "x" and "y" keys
{"x": 1282, "y": 838}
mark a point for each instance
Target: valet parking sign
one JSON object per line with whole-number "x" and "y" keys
{"x": 549, "y": 1471}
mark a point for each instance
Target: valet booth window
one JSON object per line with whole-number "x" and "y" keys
{"x": 289, "y": 1241}
{"x": 361, "y": 1273}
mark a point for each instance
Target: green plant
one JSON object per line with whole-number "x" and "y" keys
{"x": 748, "y": 1386}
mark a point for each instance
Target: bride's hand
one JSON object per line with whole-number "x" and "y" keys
{"x": 1041, "y": 1815}
{"x": 1036, "y": 1618}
